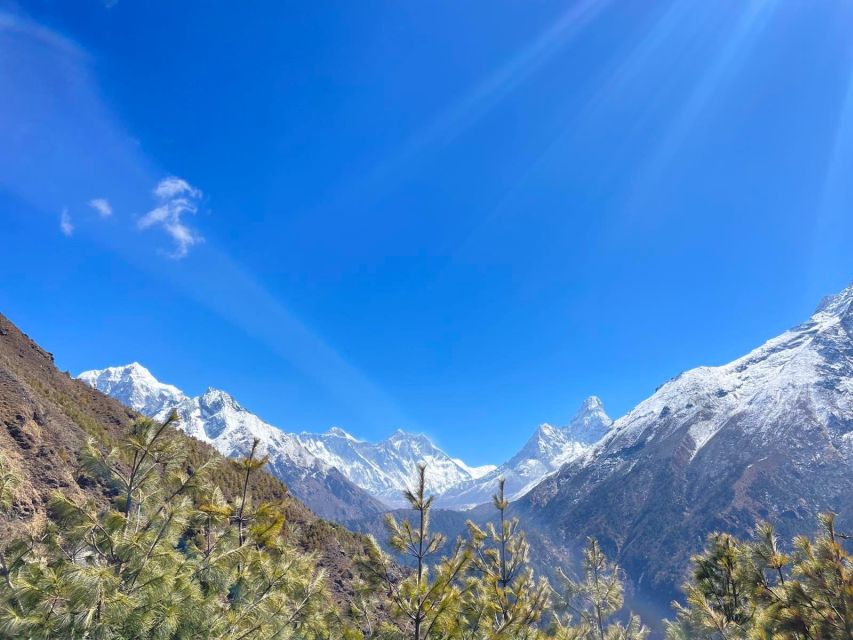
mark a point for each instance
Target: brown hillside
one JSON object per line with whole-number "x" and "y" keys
{"x": 46, "y": 417}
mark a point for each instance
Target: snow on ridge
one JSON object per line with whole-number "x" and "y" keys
{"x": 476, "y": 472}
{"x": 810, "y": 362}
{"x": 837, "y": 304}
{"x": 337, "y": 431}
{"x": 386, "y": 468}
{"x": 135, "y": 386}
{"x": 804, "y": 363}
{"x": 545, "y": 452}
{"x": 383, "y": 469}
{"x": 214, "y": 417}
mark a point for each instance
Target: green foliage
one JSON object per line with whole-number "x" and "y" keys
{"x": 172, "y": 559}
{"x": 593, "y": 599}
{"x": 484, "y": 589}
{"x": 427, "y": 601}
{"x": 504, "y": 599}
{"x": 718, "y": 602}
{"x": 178, "y": 556}
{"x": 754, "y": 591}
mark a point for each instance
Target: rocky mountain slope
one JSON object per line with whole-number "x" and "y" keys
{"x": 219, "y": 420}
{"x": 548, "y": 449}
{"x": 768, "y": 436}
{"x": 45, "y": 419}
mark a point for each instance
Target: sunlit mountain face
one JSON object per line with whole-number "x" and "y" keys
{"x": 548, "y": 449}
{"x": 383, "y": 469}
{"x": 218, "y": 419}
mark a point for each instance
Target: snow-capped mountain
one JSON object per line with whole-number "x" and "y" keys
{"x": 386, "y": 468}
{"x": 547, "y": 450}
{"x": 383, "y": 469}
{"x": 766, "y": 437}
{"x": 135, "y": 387}
{"x": 219, "y": 420}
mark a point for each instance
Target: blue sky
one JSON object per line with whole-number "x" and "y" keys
{"x": 455, "y": 218}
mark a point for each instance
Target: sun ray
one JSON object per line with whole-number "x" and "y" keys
{"x": 629, "y": 66}
{"x": 750, "y": 25}
{"x": 833, "y": 225}
{"x": 451, "y": 122}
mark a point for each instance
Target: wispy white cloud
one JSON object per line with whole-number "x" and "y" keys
{"x": 218, "y": 280}
{"x": 65, "y": 224}
{"x": 176, "y": 198}
{"x": 173, "y": 186}
{"x": 102, "y": 206}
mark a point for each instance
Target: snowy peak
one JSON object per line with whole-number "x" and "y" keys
{"x": 837, "y": 305}
{"x": 383, "y": 469}
{"x": 768, "y": 436}
{"x": 216, "y": 418}
{"x": 808, "y": 368}
{"x": 414, "y": 443}
{"x": 216, "y": 400}
{"x": 337, "y": 432}
{"x": 549, "y": 448}
{"x": 590, "y": 422}
{"x": 212, "y": 394}
{"x": 592, "y": 403}
{"x": 541, "y": 439}
{"x": 135, "y": 386}
{"x": 554, "y": 445}
{"x": 386, "y": 468}
{"x": 218, "y": 415}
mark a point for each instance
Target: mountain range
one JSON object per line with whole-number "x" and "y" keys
{"x": 768, "y": 436}
{"x": 367, "y": 476}
{"x": 386, "y": 468}
{"x": 217, "y": 419}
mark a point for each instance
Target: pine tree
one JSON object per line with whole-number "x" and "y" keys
{"x": 8, "y": 483}
{"x": 765, "y": 575}
{"x": 592, "y": 600}
{"x": 171, "y": 559}
{"x": 427, "y": 600}
{"x": 755, "y": 590}
{"x": 505, "y": 600}
{"x": 718, "y": 596}
{"x": 819, "y": 597}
